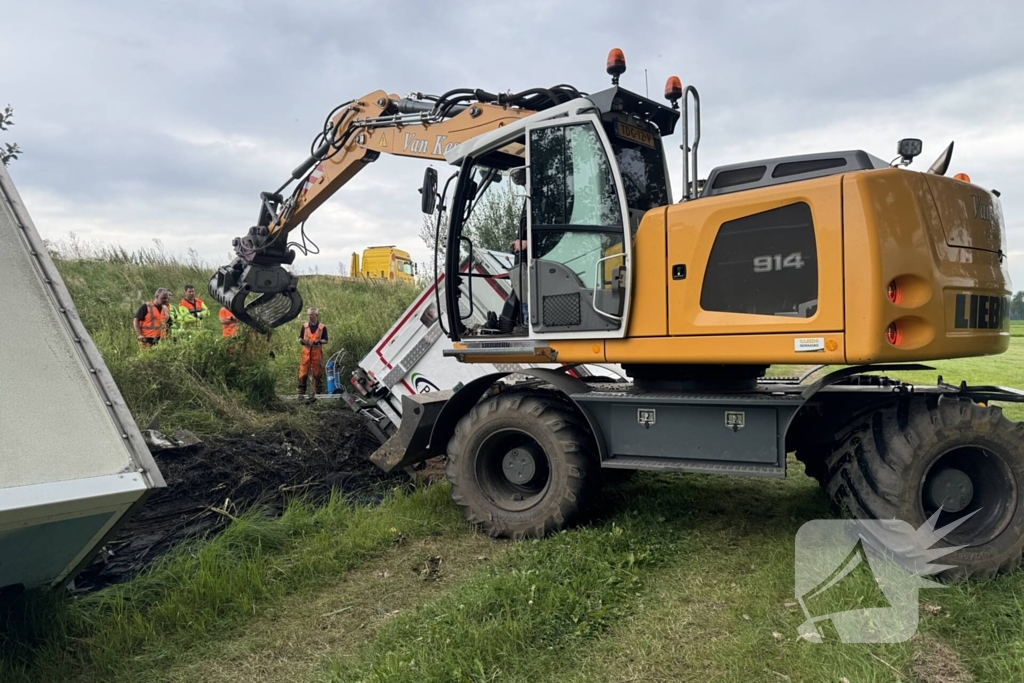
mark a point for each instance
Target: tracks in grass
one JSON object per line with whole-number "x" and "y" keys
{"x": 288, "y": 641}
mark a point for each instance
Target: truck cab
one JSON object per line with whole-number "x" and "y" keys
{"x": 384, "y": 263}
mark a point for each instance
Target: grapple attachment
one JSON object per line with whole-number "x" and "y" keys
{"x": 261, "y": 296}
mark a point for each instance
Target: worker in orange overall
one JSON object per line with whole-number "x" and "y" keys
{"x": 153, "y": 320}
{"x": 312, "y": 336}
{"x": 228, "y": 323}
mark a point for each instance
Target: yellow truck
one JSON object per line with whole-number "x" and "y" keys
{"x": 383, "y": 263}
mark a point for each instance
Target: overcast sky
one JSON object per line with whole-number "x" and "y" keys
{"x": 144, "y": 120}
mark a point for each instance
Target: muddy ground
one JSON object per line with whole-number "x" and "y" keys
{"x": 229, "y": 475}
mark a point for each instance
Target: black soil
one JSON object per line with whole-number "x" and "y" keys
{"x": 228, "y": 475}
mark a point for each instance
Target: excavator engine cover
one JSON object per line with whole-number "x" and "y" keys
{"x": 278, "y": 300}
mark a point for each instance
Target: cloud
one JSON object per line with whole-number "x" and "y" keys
{"x": 143, "y": 120}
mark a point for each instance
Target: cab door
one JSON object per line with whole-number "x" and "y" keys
{"x": 579, "y": 251}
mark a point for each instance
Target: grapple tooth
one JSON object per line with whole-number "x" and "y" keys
{"x": 278, "y": 302}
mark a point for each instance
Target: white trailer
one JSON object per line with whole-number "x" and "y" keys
{"x": 73, "y": 465}
{"x": 409, "y": 360}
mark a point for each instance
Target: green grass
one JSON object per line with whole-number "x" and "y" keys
{"x": 682, "y": 578}
{"x": 200, "y": 383}
{"x": 207, "y": 591}
{"x": 686, "y": 579}
{"x": 288, "y": 641}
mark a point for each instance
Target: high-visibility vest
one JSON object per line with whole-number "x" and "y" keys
{"x": 154, "y": 325}
{"x": 228, "y": 322}
{"x": 196, "y": 310}
{"x": 315, "y": 353}
{"x": 188, "y": 316}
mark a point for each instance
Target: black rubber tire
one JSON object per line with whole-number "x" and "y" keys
{"x": 559, "y": 430}
{"x": 878, "y": 471}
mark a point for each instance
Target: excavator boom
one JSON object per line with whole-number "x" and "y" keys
{"x": 255, "y": 287}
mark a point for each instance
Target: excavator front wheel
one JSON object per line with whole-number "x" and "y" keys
{"x": 522, "y": 465}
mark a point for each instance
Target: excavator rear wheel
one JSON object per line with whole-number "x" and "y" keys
{"x": 953, "y": 456}
{"x": 523, "y": 465}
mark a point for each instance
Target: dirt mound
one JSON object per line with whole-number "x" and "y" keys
{"x": 231, "y": 474}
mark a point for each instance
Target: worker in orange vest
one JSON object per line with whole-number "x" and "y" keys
{"x": 228, "y": 323}
{"x": 153, "y": 319}
{"x": 312, "y": 336}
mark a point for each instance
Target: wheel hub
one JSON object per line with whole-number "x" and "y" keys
{"x": 519, "y": 465}
{"x": 974, "y": 486}
{"x": 951, "y": 489}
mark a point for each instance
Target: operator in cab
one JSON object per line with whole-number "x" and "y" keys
{"x": 313, "y": 337}
{"x": 153, "y": 320}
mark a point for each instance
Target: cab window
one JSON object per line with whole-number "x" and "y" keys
{"x": 571, "y": 179}
{"x": 643, "y": 175}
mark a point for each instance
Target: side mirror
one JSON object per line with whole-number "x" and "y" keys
{"x": 517, "y": 176}
{"x": 428, "y": 193}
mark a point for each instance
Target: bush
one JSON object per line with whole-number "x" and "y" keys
{"x": 201, "y": 382}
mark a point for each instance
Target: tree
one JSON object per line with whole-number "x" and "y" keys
{"x": 430, "y": 225}
{"x": 495, "y": 221}
{"x": 493, "y": 224}
{"x": 1017, "y": 307}
{"x": 8, "y": 152}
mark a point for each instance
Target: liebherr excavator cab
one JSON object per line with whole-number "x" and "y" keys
{"x": 593, "y": 167}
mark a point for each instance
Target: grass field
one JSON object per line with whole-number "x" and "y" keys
{"x": 678, "y": 578}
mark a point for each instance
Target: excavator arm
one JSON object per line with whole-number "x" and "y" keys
{"x": 255, "y": 286}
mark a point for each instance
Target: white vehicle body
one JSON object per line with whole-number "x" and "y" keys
{"x": 409, "y": 360}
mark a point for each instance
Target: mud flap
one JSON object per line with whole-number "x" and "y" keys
{"x": 411, "y": 443}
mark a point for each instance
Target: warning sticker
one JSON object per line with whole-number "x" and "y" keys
{"x": 313, "y": 179}
{"x": 383, "y": 140}
{"x": 808, "y": 344}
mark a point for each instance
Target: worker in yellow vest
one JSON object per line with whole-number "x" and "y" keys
{"x": 313, "y": 337}
{"x": 188, "y": 315}
{"x": 153, "y": 320}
